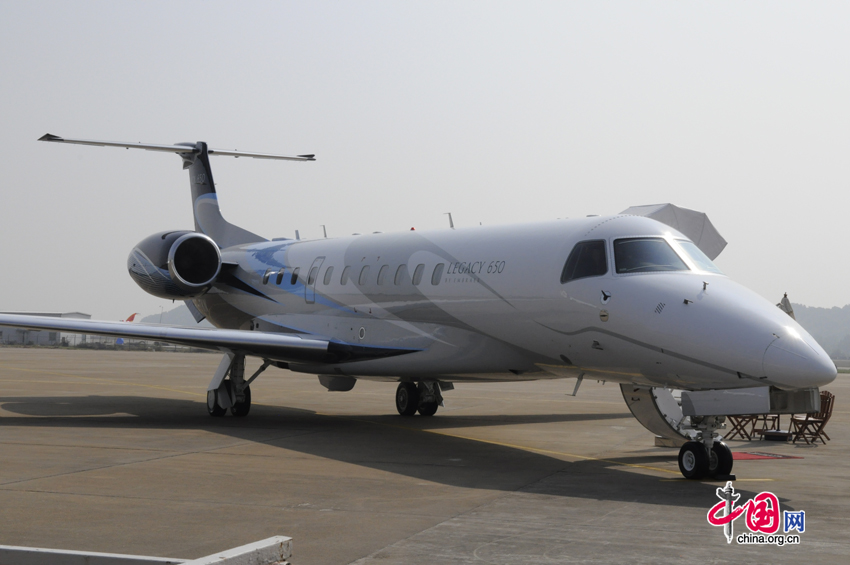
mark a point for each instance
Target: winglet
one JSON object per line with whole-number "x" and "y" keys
{"x": 50, "y": 137}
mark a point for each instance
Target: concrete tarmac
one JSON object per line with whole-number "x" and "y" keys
{"x": 113, "y": 451}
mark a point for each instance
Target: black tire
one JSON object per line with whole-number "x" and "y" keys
{"x": 693, "y": 460}
{"x": 720, "y": 462}
{"x": 241, "y": 409}
{"x": 428, "y": 408}
{"x": 213, "y": 407}
{"x": 407, "y": 399}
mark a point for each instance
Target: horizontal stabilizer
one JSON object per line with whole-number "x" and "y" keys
{"x": 178, "y": 148}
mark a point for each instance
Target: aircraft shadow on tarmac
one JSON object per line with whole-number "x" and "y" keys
{"x": 413, "y": 447}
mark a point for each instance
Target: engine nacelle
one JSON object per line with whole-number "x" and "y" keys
{"x": 175, "y": 265}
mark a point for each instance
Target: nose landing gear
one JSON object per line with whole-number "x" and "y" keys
{"x": 695, "y": 462}
{"x": 708, "y": 456}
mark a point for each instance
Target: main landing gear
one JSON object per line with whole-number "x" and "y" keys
{"x": 707, "y": 456}
{"x": 423, "y": 397}
{"x": 233, "y": 392}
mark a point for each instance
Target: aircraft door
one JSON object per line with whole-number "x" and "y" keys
{"x": 586, "y": 282}
{"x": 312, "y": 278}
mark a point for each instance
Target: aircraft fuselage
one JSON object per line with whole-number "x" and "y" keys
{"x": 487, "y": 303}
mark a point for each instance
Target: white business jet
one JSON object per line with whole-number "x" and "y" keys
{"x": 620, "y": 298}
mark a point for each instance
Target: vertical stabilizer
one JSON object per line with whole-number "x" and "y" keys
{"x": 208, "y": 218}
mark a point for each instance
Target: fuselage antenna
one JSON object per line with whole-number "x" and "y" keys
{"x": 451, "y": 222}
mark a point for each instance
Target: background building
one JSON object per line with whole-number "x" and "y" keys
{"x": 21, "y": 336}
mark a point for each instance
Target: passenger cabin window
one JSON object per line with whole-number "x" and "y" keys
{"x": 437, "y": 274}
{"x": 279, "y": 278}
{"x": 311, "y": 278}
{"x": 417, "y": 274}
{"x": 587, "y": 259}
{"x": 699, "y": 258}
{"x": 364, "y": 273}
{"x": 328, "y": 274}
{"x": 400, "y": 275}
{"x": 646, "y": 255}
{"x": 344, "y": 278}
{"x": 294, "y": 278}
{"x": 382, "y": 274}
{"x": 266, "y": 276}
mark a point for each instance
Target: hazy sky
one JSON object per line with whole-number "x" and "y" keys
{"x": 497, "y": 112}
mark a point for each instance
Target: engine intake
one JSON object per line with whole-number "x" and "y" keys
{"x": 175, "y": 265}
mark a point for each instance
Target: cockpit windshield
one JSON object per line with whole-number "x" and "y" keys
{"x": 646, "y": 255}
{"x": 698, "y": 257}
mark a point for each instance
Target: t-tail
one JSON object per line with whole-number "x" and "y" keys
{"x": 208, "y": 218}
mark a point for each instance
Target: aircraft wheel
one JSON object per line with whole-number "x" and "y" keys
{"x": 693, "y": 460}
{"x": 407, "y": 398}
{"x": 241, "y": 409}
{"x": 428, "y": 408}
{"x": 213, "y": 406}
{"x": 720, "y": 460}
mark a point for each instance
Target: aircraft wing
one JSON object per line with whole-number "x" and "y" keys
{"x": 268, "y": 345}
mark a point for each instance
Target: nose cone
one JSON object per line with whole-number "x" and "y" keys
{"x": 792, "y": 362}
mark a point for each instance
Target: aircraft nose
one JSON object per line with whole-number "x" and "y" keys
{"x": 792, "y": 362}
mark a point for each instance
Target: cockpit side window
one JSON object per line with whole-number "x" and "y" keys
{"x": 646, "y": 255}
{"x": 587, "y": 259}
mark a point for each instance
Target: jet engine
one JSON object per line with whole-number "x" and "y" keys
{"x": 175, "y": 265}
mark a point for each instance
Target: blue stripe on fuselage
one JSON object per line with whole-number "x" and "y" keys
{"x": 264, "y": 253}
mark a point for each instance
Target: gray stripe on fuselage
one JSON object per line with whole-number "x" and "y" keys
{"x": 408, "y": 297}
{"x": 646, "y": 346}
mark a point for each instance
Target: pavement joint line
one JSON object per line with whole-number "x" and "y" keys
{"x": 74, "y": 446}
{"x": 521, "y": 534}
{"x": 253, "y": 504}
{"x": 126, "y": 464}
{"x": 503, "y": 495}
{"x": 167, "y": 455}
{"x": 151, "y": 450}
{"x": 449, "y": 519}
